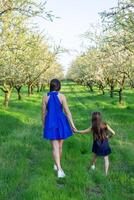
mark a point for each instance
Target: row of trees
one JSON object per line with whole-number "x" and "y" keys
{"x": 26, "y": 59}
{"x": 109, "y": 59}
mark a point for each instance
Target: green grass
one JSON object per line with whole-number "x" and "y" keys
{"x": 26, "y": 167}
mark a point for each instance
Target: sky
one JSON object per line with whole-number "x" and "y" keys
{"x": 75, "y": 18}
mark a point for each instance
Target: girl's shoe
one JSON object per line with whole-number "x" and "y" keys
{"x": 60, "y": 173}
{"x": 93, "y": 167}
{"x": 55, "y": 167}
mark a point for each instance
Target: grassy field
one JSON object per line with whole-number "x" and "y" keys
{"x": 26, "y": 167}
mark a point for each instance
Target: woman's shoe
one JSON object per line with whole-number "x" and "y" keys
{"x": 60, "y": 173}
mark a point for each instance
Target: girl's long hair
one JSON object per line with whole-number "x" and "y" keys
{"x": 98, "y": 127}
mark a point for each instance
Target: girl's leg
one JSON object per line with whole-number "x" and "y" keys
{"x": 106, "y": 164}
{"x": 60, "y": 148}
{"x": 56, "y": 153}
{"x": 94, "y": 159}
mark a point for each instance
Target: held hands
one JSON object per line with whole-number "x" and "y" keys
{"x": 74, "y": 129}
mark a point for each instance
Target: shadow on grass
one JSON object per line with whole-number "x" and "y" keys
{"x": 22, "y": 150}
{"x": 8, "y": 124}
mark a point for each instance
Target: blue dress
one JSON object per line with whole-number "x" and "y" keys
{"x": 101, "y": 148}
{"x": 56, "y": 125}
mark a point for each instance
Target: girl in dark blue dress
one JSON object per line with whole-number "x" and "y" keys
{"x": 101, "y": 132}
{"x": 57, "y": 122}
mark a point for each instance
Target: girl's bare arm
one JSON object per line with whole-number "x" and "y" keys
{"x": 88, "y": 130}
{"x": 110, "y": 129}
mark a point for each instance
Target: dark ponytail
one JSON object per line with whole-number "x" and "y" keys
{"x": 55, "y": 85}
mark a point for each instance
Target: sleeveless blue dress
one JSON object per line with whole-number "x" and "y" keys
{"x": 56, "y": 125}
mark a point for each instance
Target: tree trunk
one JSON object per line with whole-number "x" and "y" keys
{"x": 38, "y": 88}
{"x": 90, "y": 86}
{"x": 42, "y": 88}
{"x": 111, "y": 91}
{"x": 32, "y": 87}
{"x": 132, "y": 84}
{"x": 7, "y": 97}
{"x": 103, "y": 92}
{"x": 101, "y": 87}
{"x": 18, "y": 88}
{"x": 120, "y": 95}
{"x": 121, "y": 88}
{"x": 29, "y": 89}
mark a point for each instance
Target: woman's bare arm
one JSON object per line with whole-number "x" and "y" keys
{"x": 43, "y": 110}
{"x": 67, "y": 111}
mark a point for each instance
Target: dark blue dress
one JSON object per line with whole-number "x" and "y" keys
{"x": 56, "y": 126}
{"x": 101, "y": 148}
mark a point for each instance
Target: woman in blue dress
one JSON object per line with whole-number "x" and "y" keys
{"x": 57, "y": 122}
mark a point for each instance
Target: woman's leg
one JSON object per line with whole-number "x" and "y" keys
{"x": 56, "y": 153}
{"x": 106, "y": 164}
{"x": 60, "y": 148}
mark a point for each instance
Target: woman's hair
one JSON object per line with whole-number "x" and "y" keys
{"x": 55, "y": 85}
{"x": 98, "y": 127}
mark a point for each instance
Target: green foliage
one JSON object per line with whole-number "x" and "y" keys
{"x": 25, "y": 54}
{"x": 109, "y": 57}
{"x": 26, "y": 8}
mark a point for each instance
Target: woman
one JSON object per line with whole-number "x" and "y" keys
{"x": 56, "y": 124}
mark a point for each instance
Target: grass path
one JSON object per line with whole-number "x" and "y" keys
{"x": 26, "y": 171}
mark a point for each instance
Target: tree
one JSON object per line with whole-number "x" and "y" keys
{"x": 25, "y": 55}
{"x": 27, "y": 8}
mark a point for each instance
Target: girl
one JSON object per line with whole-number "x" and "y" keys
{"x": 55, "y": 123}
{"x": 101, "y": 146}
